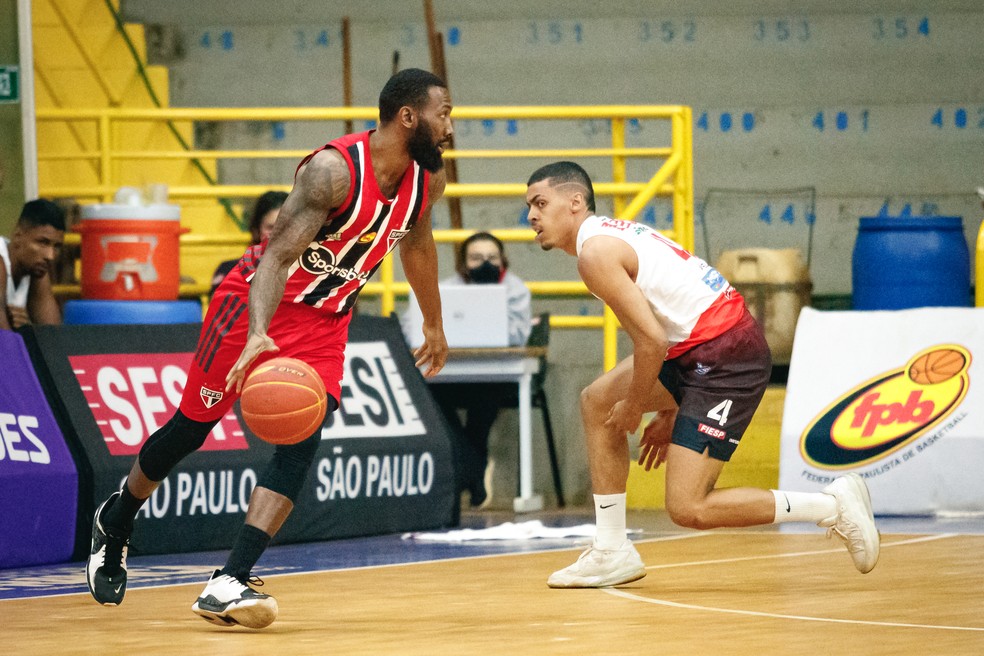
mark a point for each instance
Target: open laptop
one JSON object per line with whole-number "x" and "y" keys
{"x": 475, "y": 316}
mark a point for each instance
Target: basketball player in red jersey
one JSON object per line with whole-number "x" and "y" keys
{"x": 353, "y": 200}
{"x": 700, "y": 360}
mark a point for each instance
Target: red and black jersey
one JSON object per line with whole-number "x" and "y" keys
{"x": 355, "y": 238}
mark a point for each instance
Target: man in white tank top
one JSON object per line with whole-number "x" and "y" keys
{"x": 27, "y": 258}
{"x": 700, "y": 361}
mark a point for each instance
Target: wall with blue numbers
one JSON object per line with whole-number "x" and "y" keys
{"x": 805, "y": 118}
{"x": 807, "y": 115}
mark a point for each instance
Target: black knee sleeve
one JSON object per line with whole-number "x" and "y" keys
{"x": 289, "y": 466}
{"x": 171, "y": 443}
{"x": 290, "y": 463}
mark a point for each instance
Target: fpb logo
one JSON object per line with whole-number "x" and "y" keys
{"x": 889, "y": 411}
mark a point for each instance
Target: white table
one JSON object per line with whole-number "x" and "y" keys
{"x": 503, "y": 365}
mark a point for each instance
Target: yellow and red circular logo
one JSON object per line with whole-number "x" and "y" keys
{"x": 889, "y": 411}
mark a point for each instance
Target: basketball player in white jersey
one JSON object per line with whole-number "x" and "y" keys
{"x": 700, "y": 360}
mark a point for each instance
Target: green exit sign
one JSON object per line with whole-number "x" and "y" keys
{"x": 9, "y": 84}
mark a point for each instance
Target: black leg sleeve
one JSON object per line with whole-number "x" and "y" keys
{"x": 171, "y": 443}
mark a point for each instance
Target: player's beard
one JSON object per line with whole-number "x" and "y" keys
{"x": 424, "y": 151}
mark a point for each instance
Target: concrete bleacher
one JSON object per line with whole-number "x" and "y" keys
{"x": 86, "y": 60}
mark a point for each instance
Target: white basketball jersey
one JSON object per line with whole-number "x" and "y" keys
{"x": 16, "y": 294}
{"x": 691, "y": 300}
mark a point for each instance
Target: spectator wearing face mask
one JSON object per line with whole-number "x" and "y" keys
{"x": 471, "y": 408}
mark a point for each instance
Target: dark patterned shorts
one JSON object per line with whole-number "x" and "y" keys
{"x": 718, "y": 386}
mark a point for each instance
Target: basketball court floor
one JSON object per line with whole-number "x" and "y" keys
{"x": 743, "y": 592}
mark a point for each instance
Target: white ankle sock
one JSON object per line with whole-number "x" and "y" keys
{"x": 803, "y": 506}
{"x": 610, "y": 520}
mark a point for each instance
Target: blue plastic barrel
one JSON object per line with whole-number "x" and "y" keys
{"x": 132, "y": 312}
{"x": 910, "y": 262}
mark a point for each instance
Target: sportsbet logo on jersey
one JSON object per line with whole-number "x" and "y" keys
{"x": 886, "y": 413}
{"x": 319, "y": 261}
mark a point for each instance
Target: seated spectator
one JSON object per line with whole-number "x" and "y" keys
{"x": 482, "y": 260}
{"x": 261, "y": 221}
{"x": 28, "y": 256}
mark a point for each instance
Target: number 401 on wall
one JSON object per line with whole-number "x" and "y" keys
{"x": 840, "y": 121}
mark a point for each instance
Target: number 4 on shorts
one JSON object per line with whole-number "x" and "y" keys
{"x": 720, "y": 412}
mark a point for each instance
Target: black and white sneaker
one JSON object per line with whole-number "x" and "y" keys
{"x": 227, "y": 601}
{"x": 105, "y": 571}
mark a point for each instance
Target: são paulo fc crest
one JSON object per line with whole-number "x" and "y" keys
{"x": 394, "y": 237}
{"x": 210, "y": 397}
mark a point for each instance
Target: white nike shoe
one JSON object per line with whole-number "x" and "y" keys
{"x": 227, "y": 601}
{"x": 854, "y": 522}
{"x": 599, "y": 568}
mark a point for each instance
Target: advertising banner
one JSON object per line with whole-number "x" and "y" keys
{"x": 384, "y": 463}
{"x": 385, "y": 460}
{"x": 891, "y": 396}
{"x": 38, "y": 479}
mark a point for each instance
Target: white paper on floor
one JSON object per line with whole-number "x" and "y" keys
{"x": 508, "y": 531}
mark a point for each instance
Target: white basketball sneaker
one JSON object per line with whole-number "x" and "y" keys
{"x": 227, "y": 601}
{"x": 599, "y": 568}
{"x": 854, "y": 522}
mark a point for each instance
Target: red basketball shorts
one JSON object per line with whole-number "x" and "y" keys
{"x": 301, "y": 332}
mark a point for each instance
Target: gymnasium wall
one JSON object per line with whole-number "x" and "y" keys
{"x": 803, "y": 113}
{"x": 806, "y": 116}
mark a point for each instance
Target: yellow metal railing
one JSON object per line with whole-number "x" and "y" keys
{"x": 672, "y": 178}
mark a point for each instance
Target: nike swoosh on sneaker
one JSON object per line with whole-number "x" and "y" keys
{"x": 117, "y": 588}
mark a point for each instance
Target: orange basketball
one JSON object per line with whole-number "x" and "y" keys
{"x": 283, "y": 400}
{"x": 937, "y": 366}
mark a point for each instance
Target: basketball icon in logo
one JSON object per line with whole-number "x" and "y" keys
{"x": 936, "y": 366}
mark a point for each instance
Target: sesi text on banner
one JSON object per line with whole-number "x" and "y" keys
{"x": 384, "y": 463}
